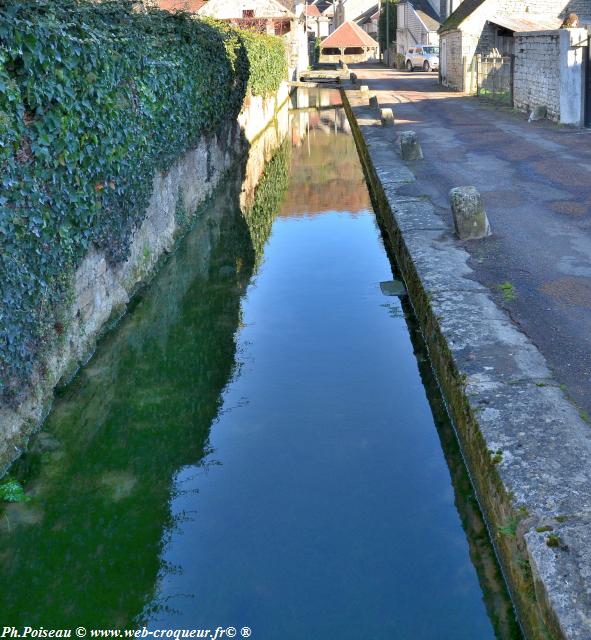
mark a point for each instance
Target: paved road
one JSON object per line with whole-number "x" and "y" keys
{"x": 535, "y": 179}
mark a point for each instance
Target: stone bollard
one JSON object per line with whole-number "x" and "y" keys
{"x": 410, "y": 147}
{"x": 387, "y": 117}
{"x": 364, "y": 89}
{"x": 353, "y": 77}
{"x": 373, "y": 102}
{"x": 469, "y": 216}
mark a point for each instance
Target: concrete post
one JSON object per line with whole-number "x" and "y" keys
{"x": 410, "y": 147}
{"x": 387, "y": 117}
{"x": 470, "y": 219}
{"x": 573, "y": 46}
{"x": 373, "y": 102}
{"x": 364, "y": 89}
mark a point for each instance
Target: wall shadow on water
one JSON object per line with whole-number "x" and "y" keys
{"x": 86, "y": 549}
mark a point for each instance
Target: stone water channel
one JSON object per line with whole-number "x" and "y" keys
{"x": 260, "y": 442}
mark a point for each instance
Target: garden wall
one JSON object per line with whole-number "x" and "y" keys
{"x": 549, "y": 72}
{"x": 112, "y": 137}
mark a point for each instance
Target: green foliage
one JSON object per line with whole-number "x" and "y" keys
{"x": 267, "y": 60}
{"x": 264, "y": 56}
{"x": 544, "y": 528}
{"x": 496, "y": 456}
{"x": 387, "y": 14}
{"x": 317, "y": 42}
{"x": 510, "y": 527}
{"x": 553, "y": 540}
{"x": 269, "y": 195}
{"x": 94, "y": 98}
{"x": 508, "y": 290}
{"x": 12, "y": 491}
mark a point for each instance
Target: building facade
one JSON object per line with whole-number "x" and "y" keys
{"x": 284, "y": 18}
{"x": 542, "y": 63}
{"x": 417, "y": 22}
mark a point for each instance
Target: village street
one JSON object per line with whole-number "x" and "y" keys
{"x": 535, "y": 180}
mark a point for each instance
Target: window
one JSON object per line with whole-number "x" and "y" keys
{"x": 248, "y": 13}
{"x": 431, "y": 50}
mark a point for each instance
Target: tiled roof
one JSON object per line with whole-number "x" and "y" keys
{"x": 323, "y": 5}
{"x": 424, "y": 7}
{"x": 311, "y": 10}
{"x": 465, "y": 9}
{"x": 348, "y": 35}
{"x": 368, "y": 15}
{"x": 526, "y": 22}
{"x": 192, "y": 6}
{"x": 428, "y": 21}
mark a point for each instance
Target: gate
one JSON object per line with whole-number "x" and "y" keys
{"x": 494, "y": 78}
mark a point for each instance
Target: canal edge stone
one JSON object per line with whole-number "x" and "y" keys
{"x": 527, "y": 449}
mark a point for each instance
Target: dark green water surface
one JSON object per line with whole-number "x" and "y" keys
{"x": 259, "y": 442}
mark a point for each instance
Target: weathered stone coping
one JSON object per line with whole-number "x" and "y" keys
{"x": 526, "y": 448}
{"x": 101, "y": 292}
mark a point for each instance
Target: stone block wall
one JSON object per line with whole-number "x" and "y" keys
{"x": 536, "y": 79}
{"x": 458, "y": 48}
{"x": 549, "y": 71}
{"x": 451, "y": 48}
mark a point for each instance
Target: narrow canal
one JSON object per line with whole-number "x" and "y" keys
{"x": 260, "y": 442}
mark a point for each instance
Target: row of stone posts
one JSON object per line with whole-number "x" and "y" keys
{"x": 469, "y": 215}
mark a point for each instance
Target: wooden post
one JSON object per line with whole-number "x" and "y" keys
{"x": 478, "y": 71}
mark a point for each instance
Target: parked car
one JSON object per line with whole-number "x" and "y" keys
{"x": 423, "y": 56}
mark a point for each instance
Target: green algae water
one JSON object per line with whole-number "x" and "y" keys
{"x": 260, "y": 442}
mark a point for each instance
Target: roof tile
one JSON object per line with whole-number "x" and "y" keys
{"x": 348, "y": 35}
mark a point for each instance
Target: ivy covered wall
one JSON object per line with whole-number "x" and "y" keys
{"x": 95, "y": 98}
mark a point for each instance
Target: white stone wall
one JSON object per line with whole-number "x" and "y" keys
{"x": 536, "y": 80}
{"x": 452, "y": 69}
{"x": 102, "y": 291}
{"x": 225, "y": 10}
{"x": 549, "y": 72}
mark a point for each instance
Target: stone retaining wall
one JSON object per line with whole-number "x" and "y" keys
{"x": 101, "y": 292}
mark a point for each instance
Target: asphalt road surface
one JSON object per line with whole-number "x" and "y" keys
{"x": 535, "y": 179}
